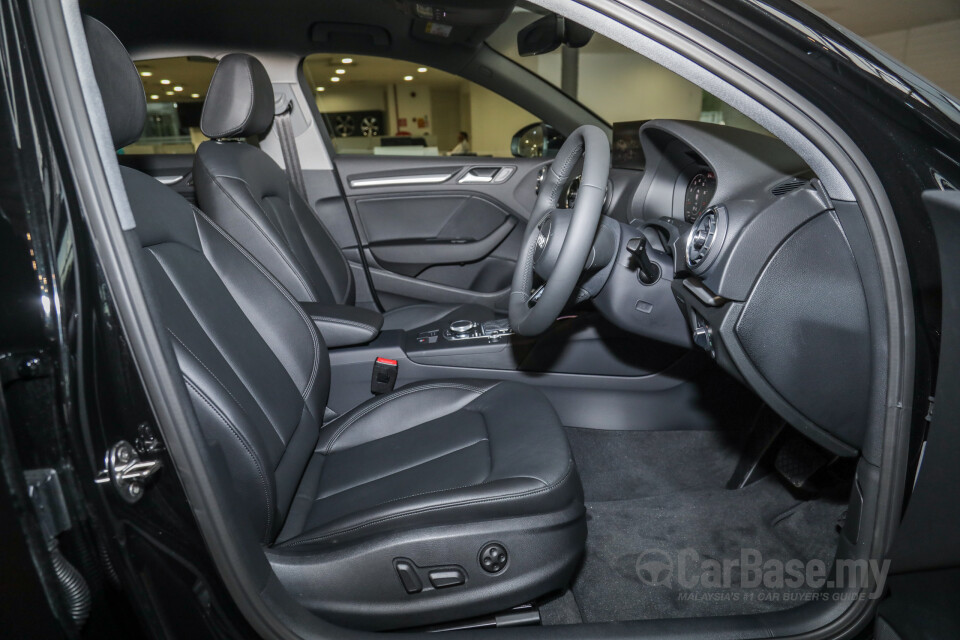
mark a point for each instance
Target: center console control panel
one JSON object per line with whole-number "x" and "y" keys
{"x": 460, "y": 330}
{"x": 470, "y": 330}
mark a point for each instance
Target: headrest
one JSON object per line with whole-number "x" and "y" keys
{"x": 119, "y": 83}
{"x": 240, "y": 99}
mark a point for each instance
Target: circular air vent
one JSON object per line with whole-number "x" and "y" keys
{"x": 701, "y": 237}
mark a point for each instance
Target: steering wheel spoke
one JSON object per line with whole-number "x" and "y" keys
{"x": 557, "y": 242}
{"x": 535, "y": 296}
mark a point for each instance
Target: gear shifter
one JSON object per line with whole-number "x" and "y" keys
{"x": 648, "y": 271}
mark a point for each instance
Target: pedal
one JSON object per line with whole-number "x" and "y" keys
{"x": 798, "y": 460}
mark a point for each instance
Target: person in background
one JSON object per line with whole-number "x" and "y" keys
{"x": 463, "y": 144}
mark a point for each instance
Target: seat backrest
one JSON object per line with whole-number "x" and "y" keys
{"x": 244, "y": 191}
{"x": 253, "y": 363}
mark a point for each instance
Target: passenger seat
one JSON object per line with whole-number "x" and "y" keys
{"x": 250, "y": 196}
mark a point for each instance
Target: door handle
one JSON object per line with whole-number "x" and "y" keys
{"x": 486, "y": 175}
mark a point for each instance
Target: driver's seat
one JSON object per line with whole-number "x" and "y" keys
{"x": 250, "y": 196}
{"x": 440, "y": 501}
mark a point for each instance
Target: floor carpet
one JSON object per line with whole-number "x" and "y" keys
{"x": 660, "y": 525}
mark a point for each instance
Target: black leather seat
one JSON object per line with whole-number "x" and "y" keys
{"x": 438, "y": 501}
{"x": 244, "y": 191}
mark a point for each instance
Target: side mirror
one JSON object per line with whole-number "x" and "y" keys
{"x": 537, "y": 140}
{"x": 548, "y": 33}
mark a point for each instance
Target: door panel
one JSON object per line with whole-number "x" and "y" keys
{"x": 924, "y": 582}
{"x": 441, "y": 229}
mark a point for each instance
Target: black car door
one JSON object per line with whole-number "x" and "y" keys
{"x": 925, "y": 572}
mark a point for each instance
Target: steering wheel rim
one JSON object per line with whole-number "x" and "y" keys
{"x": 532, "y": 313}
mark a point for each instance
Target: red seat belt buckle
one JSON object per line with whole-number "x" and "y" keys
{"x": 384, "y": 376}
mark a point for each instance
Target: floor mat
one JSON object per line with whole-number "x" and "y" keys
{"x": 657, "y": 539}
{"x": 615, "y": 465}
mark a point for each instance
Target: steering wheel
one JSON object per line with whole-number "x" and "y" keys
{"x": 556, "y": 244}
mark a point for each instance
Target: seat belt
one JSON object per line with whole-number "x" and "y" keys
{"x": 288, "y": 147}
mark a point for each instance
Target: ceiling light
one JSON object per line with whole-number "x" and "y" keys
{"x": 347, "y": 61}
{"x": 340, "y": 72}
{"x": 146, "y": 74}
{"x": 178, "y": 88}
{"x": 335, "y": 79}
{"x": 169, "y": 93}
{"x": 194, "y": 95}
{"x": 164, "y": 81}
{"x": 321, "y": 89}
{"x": 408, "y": 78}
{"x": 422, "y": 70}
{"x": 154, "y": 97}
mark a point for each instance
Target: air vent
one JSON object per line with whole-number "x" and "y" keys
{"x": 787, "y": 186}
{"x": 701, "y": 237}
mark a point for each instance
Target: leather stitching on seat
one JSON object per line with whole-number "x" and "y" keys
{"x": 463, "y": 503}
{"x": 203, "y": 364}
{"x": 393, "y": 396}
{"x": 283, "y": 256}
{"x": 311, "y": 329}
{"x": 360, "y": 325}
{"x": 245, "y": 444}
{"x": 160, "y": 261}
{"x": 412, "y": 466}
{"x": 330, "y": 279}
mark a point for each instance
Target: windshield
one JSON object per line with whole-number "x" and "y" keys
{"x": 615, "y": 82}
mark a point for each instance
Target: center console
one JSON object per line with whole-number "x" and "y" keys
{"x": 581, "y": 361}
{"x": 468, "y": 342}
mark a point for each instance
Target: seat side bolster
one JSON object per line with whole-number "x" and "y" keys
{"x": 498, "y": 498}
{"x": 403, "y": 409}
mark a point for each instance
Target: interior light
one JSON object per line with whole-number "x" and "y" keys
{"x": 321, "y": 89}
{"x": 194, "y": 95}
{"x": 347, "y": 61}
{"x": 169, "y": 93}
{"x": 146, "y": 74}
{"x": 154, "y": 97}
{"x": 164, "y": 81}
{"x": 422, "y": 70}
{"x": 340, "y": 72}
{"x": 335, "y": 79}
{"x": 178, "y": 88}
{"x": 408, "y": 78}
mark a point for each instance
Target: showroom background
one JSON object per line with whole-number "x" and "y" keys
{"x": 368, "y": 103}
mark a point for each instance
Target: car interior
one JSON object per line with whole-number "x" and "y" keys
{"x": 509, "y": 386}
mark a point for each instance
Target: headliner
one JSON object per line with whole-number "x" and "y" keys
{"x": 281, "y": 25}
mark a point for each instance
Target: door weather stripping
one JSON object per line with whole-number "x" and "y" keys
{"x": 396, "y": 181}
{"x": 124, "y": 469}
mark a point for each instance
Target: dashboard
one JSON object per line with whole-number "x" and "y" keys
{"x": 756, "y": 268}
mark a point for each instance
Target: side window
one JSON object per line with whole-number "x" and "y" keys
{"x": 175, "y": 90}
{"x": 381, "y": 106}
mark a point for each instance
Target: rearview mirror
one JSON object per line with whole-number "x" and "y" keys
{"x": 548, "y": 33}
{"x": 537, "y": 140}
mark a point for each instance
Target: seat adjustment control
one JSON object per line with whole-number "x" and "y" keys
{"x": 493, "y": 557}
{"x": 449, "y": 577}
{"x": 408, "y": 575}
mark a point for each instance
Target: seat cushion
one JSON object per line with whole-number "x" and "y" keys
{"x": 415, "y": 316}
{"x": 434, "y": 453}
